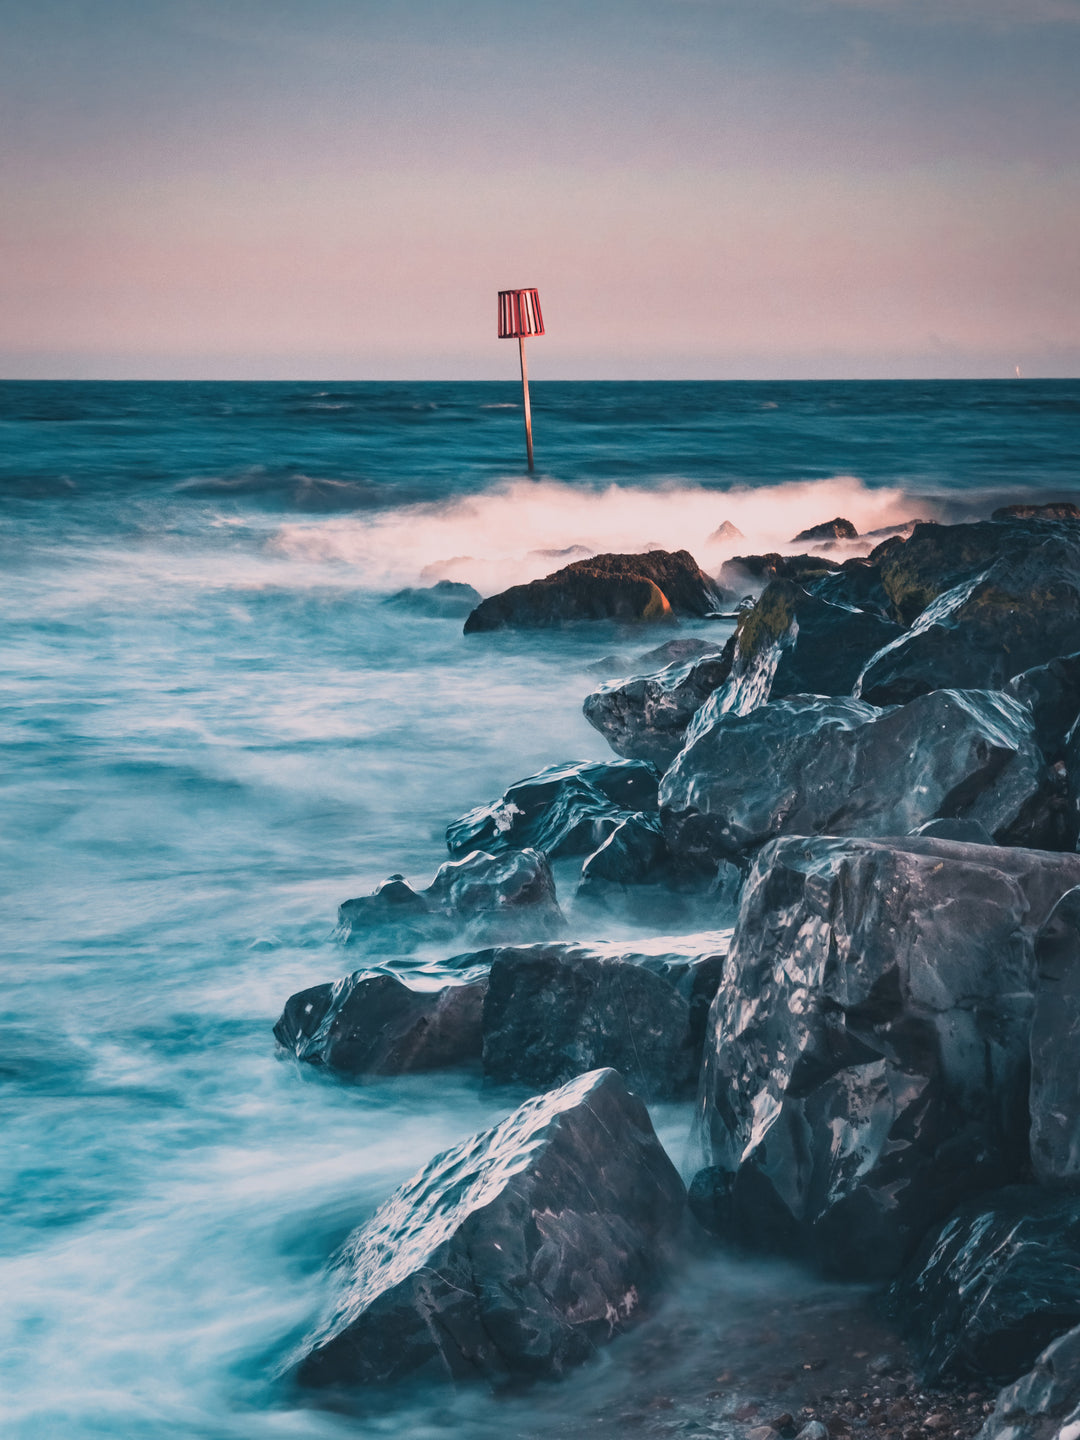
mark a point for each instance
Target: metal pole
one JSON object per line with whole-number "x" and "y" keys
{"x": 525, "y": 394}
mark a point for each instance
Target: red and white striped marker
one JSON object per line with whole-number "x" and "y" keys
{"x": 519, "y": 315}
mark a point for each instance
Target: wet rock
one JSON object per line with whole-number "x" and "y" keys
{"x": 811, "y": 765}
{"x": 512, "y": 1256}
{"x": 866, "y": 1061}
{"x": 795, "y": 643}
{"x": 553, "y": 1012}
{"x": 671, "y": 652}
{"x": 857, "y": 584}
{"x": 1045, "y": 1403}
{"x": 838, "y": 529}
{"x": 1055, "y": 1032}
{"x": 653, "y": 586}
{"x": 634, "y": 875}
{"x": 989, "y": 1290}
{"x": 373, "y": 1024}
{"x": 566, "y": 809}
{"x": 973, "y": 635}
{"x": 968, "y": 832}
{"x": 744, "y": 572}
{"x": 646, "y": 717}
{"x": 1052, "y": 694}
{"x": 1053, "y": 510}
{"x": 935, "y": 558}
{"x": 446, "y": 599}
{"x": 508, "y": 896}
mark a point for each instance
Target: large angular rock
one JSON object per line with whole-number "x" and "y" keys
{"x": 654, "y": 586}
{"x": 512, "y": 1256}
{"x": 866, "y": 1063}
{"x": 645, "y": 717}
{"x": 1052, "y": 694}
{"x": 564, "y": 810}
{"x": 554, "y": 1011}
{"x": 1045, "y": 1403}
{"x": 1019, "y": 608}
{"x": 374, "y": 1024}
{"x": 1055, "y": 1046}
{"x": 857, "y": 584}
{"x": 1052, "y": 510}
{"x": 990, "y": 1289}
{"x": 492, "y": 897}
{"x": 811, "y": 765}
{"x": 935, "y": 558}
{"x": 795, "y": 643}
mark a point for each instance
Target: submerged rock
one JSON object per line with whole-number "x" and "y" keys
{"x": 554, "y": 1011}
{"x": 1045, "y": 1403}
{"x": 810, "y": 765}
{"x": 446, "y": 599}
{"x": 857, "y": 584}
{"x": 866, "y": 1062}
{"x": 373, "y": 1024}
{"x": 654, "y": 586}
{"x": 566, "y": 809}
{"x": 646, "y": 716}
{"x": 511, "y": 1256}
{"x": 991, "y": 1288}
{"x": 508, "y": 896}
{"x": 1055, "y": 1046}
{"x": 838, "y": 529}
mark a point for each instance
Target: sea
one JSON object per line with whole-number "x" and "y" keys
{"x": 214, "y": 729}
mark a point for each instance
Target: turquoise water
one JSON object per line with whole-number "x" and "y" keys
{"x": 214, "y": 730}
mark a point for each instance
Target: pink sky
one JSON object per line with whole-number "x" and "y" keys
{"x": 697, "y": 188}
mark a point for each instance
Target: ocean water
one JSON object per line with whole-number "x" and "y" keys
{"x": 214, "y": 730}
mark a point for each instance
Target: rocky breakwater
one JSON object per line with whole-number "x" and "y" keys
{"x": 812, "y": 765}
{"x": 790, "y": 642}
{"x": 866, "y": 1066}
{"x": 658, "y": 585}
{"x": 513, "y": 1256}
{"x": 533, "y": 1014}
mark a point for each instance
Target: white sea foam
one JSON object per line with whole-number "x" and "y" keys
{"x": 497, "y": 539}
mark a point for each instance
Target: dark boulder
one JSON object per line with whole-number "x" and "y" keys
{"x": 1055, "y": 1046}
{"x": 654, "y": 586}
{"x": 635, "y": 877}
{"x": 672, "y": 652}
{"x": 866, "y": 1061}
{"x": 811, "y": 765}
{"x": 990, "y": 1289}
{"x": 1053, "y": 510}
{"x": 564, "y": 810}
{"x": 937, "y": 558}
{"x": 1052, "y": 694}
{"x": 554, "y": 1011}
{"x": 646, "y": 716}
{"x": 973, "y": 635}
{"x": 446, "y": 599}
{"x": 753, "y": 572}
{"x": 968, "y": 832}
{"x": 512, "y": 1256}
{"x": 795, "y": 643}
{"x": 508, "y": 896}
{"x": 373, "y": 1024}
{"x": 1045, "y": 1403}
{"x": 838, "y": 529}
{"x": 857, "y": 584}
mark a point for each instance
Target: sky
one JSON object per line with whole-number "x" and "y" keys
{"x": 729, "y": 189}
